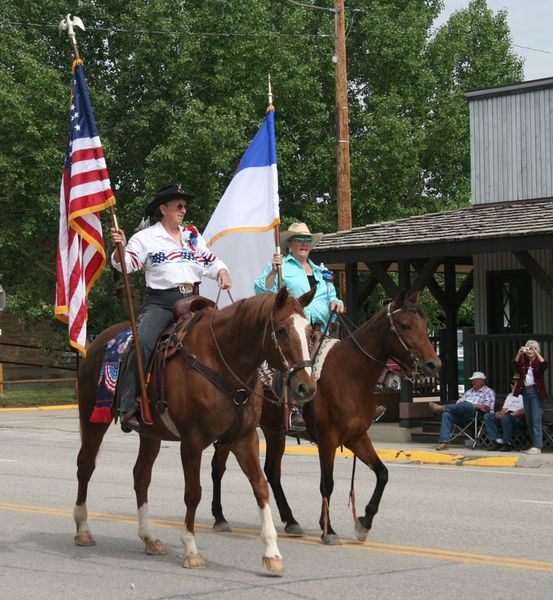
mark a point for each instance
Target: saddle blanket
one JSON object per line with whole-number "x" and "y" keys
{"x": 266, "y": 374}
{"x": 109, "y": 372}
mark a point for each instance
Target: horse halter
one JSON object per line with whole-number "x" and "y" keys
{"x": 408, "y": 374}
{"x": 286, "y": 372}
{"x": 412, "y": 356}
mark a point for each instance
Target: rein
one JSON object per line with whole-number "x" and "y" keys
{"x": 239, "y": 395}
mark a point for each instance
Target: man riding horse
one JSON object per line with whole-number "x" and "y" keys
{"x": 174, "y": 258}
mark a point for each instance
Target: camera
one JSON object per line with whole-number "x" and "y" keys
{"x": 527, "y": 349}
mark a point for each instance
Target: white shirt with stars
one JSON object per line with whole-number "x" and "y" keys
{"x": 166, "y": 263}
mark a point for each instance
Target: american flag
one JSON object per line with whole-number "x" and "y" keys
{"x": 85, "y": 191}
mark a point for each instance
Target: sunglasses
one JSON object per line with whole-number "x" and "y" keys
{"x": 179, "y": 205}
{"x": 303, "y": 239}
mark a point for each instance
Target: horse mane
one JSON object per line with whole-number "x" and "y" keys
{"x": 379, "y": 319}
{"x": 256, "y": 310}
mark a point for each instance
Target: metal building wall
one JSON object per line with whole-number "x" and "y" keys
{"x": 512, "y": 146}
{"x": 542, "y": 304}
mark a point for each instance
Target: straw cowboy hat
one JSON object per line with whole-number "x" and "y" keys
{"x": 298, "y": 229}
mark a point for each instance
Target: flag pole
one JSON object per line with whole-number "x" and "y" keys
{"x": 276, "y": 228}
{"x": 69, "y": 24}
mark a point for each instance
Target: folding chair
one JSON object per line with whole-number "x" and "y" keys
{"x": 472, "y": 430}
{"x": 547, "y": 426}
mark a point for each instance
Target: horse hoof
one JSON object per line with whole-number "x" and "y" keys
{"x": 331, "y": 540}
{"x": 155, "y": 548}
{"x": 193, "y": 561}
{"x": 294, "y": 529}
{"x": 361, "y": 532}
{"x": 275, "y": 566}
{"x": 84, "y": 539}
{"x": 221, "y": 527}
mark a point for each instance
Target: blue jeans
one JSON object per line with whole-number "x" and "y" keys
{"x": 507, "y": 424}
{"x": 156, "y": 314}
{"x": 533, "y": 410}
{"x": 460, "y": 414}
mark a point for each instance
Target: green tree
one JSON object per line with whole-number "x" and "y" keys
{"x": 179, "y": 89}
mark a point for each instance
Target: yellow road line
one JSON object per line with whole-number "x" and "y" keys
{"x": 419, "y": 551}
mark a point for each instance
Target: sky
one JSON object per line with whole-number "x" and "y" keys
{"x": 531, "y": 24}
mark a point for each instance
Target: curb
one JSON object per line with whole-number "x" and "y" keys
{"x": 426, "y": 457}
{"x": 417, "y": 457}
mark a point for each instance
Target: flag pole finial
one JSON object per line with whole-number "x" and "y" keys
{"x": 68, "y": 24}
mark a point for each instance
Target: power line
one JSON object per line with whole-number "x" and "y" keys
{"x": 222, "y": 33}
{"x": 178, "y": 33}
{"x": 533, "y": 49}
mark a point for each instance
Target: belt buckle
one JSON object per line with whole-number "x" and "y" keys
{"x": 185, "y": 288}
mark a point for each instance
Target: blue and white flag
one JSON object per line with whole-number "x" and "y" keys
{"x": 241, "y": 230}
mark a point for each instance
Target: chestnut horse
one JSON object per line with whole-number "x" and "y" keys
{"x": 343, "y": 410}
{"x": 233, "y": 341}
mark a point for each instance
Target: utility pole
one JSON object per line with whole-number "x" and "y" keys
{"x": 343, "y": 187}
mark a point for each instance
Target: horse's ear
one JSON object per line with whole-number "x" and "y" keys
{"x": 281, "y": 297}
{"x": 414, "y": 297}
{"x": 308, "y": 296}
{"x": 400, "y": 300}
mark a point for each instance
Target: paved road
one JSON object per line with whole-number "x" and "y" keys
{"x": 443, "y": 531}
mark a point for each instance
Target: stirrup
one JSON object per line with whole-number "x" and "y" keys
{"x": 296, "y": 424}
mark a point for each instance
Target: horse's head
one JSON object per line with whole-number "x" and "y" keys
{"x": 409, "y": 343}
{"x": 286, "y": 346}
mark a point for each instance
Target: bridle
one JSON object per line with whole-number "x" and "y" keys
{"x": 286, "y": 372}
{"x": 408, "y": 373}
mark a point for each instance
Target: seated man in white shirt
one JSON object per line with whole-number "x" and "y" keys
{"x": 501, "y": 425}
{"x": 478, "y": 397}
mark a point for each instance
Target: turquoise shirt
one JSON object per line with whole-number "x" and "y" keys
{"x": 295, "y": 280}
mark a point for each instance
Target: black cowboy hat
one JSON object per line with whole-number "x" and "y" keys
{"x": 166, "y": 194}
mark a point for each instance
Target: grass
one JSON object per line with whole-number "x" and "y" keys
{"x": 37, "y": 395}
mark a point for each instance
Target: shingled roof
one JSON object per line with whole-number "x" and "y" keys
{"x": 502, "y": 226}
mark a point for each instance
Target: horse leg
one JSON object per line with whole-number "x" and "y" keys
{"x": 218, "y": 468}
{"x": 92, "y": 435}
{"x": 246, "y": 451}
{"x": 273, "y": 463}
{"x": 326, "y": 459}
{"x": 142, "y": 474}
{"x": 364, "y": 450}
{"x": 191, "y": 459}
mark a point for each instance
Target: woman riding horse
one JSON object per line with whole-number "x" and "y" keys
{"x": 299, "y": 275}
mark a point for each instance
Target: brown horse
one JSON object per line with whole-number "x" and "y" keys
{"x": 233, "y": 341}
{"x": 343, "y": 410}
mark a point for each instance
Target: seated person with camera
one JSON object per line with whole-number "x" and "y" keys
{"x": 502, "y": 424}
